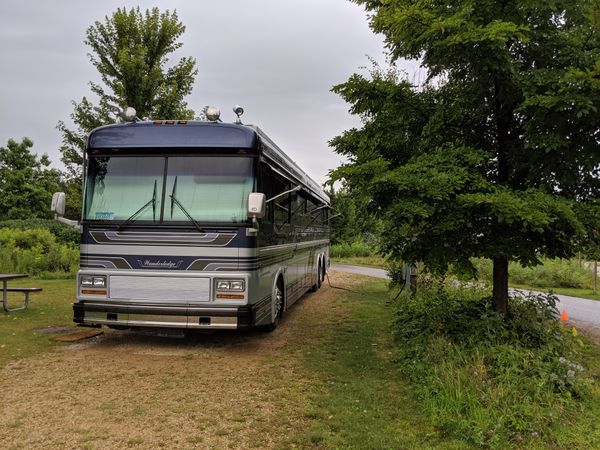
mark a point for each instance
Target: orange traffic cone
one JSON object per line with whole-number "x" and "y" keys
{"x": 564, "y": 316}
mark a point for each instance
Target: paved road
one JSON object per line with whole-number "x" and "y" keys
{"x": 578, "y": 309}
{"x": 361, "y": 270}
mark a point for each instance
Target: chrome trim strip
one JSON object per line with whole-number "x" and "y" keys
{"x": 284, "y": 247}
{"x": 152, "y": 250}
{"x": 158, "y": 238}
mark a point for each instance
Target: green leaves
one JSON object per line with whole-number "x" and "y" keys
{"x": 130, "y": 50}
{"x": 26, "y": 182}
{"x": 498, "y": 153}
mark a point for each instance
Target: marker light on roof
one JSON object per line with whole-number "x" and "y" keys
{"x": 238, "y": 110}
{"x": 130, "y": 114}
{"x": 212, "y": 113}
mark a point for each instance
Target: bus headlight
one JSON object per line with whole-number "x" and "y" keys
{"x": 230, "y": 289}
{"x": 237, "y": 285}
{"x": 230, "y": 285}
{"x": 93, "y": 281}
{"x": 100, "y": 282}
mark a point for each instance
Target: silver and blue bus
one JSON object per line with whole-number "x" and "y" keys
{"x": 195, "y": 225}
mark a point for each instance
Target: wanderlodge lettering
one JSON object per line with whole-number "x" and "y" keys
{"x": 160, "y": 264}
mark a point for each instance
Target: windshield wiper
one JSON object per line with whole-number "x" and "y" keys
{"x": 132, "y": 218}
{"x": 174, "y": 201}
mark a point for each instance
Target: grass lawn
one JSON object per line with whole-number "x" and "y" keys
{"x": 379, "y": 262}
{"x": 333, "y": 362}
{"x": 360, "y": 401}
{"x": 369, "y": 261}
{"x": 49, "y": 308}
{"x": 573, "y": 292}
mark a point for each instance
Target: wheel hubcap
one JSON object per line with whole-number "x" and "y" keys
{"x": 278, "y": 302}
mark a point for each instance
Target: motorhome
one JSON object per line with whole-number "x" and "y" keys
{"x": 195, "y": 225}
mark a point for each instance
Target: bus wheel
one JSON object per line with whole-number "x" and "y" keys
{"x": 315, "y": 287}
{"x": 277, "y": 305}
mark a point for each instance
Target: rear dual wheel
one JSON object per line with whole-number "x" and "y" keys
{"x": 315, "y": 287}
{"x": 277, "y": 303}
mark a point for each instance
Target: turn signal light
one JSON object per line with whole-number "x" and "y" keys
{"x": 93, "y": 292}
{"x": 230, "y": 296}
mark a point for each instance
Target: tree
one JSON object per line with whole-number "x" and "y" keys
{"x": 130, "y": 51}
{"x": 492, "y": 154}
{"x": 589, "y": 213}
{"x": 26, "y": 182}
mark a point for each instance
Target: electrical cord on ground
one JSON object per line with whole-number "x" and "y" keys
{"x": 361, "y": 292}
{"x": 352, "y": 290}
{"x": 339, "y": 287}
{"x": 398, "y": 294}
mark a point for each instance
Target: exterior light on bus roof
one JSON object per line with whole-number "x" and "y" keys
{"x": 238, "y": 110}
{"x": 212, "y": 113}
{"x": 130, "y": 114}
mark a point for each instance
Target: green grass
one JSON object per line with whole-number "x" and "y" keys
{"x": 356, "y": 248}
{"x": 551, "y": 274}
{"x": 522, "y": 382}
{"x": 369, "y": 391}
{"x": 361, "y": 402}
{"x": 369, "y": 261}
{"x": 362, "y": 394}
{"x": 573, "y": 292}
{"x": 49, "y": 308}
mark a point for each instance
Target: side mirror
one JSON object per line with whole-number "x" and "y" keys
{"x": 58, "y": 204}
{"x": 257, "y": 203}
{"x": 58, "y": 208}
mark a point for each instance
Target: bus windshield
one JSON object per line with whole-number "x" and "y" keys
{"x": 207, "y": 188}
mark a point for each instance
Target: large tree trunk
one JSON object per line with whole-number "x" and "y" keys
{"x": 500, "y": 293}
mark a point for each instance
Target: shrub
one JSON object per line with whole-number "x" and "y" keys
{"x": 64, "y": 233}
{"x": 552, "y": 273}
{"x": 356, "y": 248}
{"x": 36, "y": 253}
{"x": 491, "y": 381}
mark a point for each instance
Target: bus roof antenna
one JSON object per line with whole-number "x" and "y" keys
{"x": 238, "y": 110}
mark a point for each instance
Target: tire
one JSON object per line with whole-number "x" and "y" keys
{"x": 315, "y": 287}
{"x": 277, "y": 298}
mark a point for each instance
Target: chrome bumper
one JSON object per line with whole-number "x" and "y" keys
{"x": 127, "y": 315}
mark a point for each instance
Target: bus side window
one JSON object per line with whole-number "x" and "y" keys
{"x": 271, "y": 184}
{"x": 314, "y": 216}
{"x": 282, "y": 204}
{"x": 265, "y": 185}
{"x": 299, "y": 217}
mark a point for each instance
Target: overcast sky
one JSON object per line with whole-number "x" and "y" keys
{"x": 278, "y": 59}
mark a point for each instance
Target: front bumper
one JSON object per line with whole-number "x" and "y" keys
{"x": 128, "y": 315}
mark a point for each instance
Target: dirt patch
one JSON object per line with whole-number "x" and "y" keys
{"x": 122, "y": 390}
{"x": 78, "y": 335}
{"x": 54, "y": 330}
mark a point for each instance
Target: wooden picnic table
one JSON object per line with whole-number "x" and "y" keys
{"x": 5, "y": 278}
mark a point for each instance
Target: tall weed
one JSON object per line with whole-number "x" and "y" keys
{"x": 552, "y": 273}
{"x": 64, "y": 234}
{"x": 36, "y": 252}
{"x": 353, "y": 249}
{"x": 496, "y": 382}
